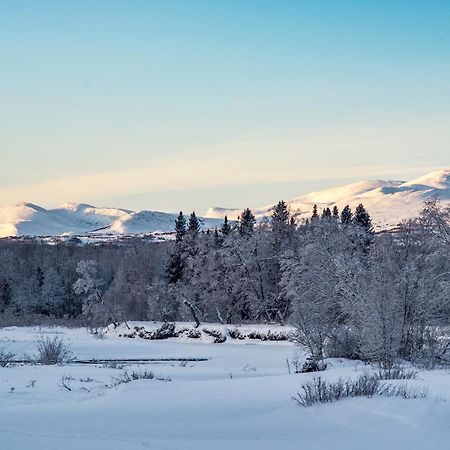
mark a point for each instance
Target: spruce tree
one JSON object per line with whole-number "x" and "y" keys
{"x": 194, "y": 224}
{"x": 346, "y": 215}
{"x": 315, "y": 215}
{"x": 326, "y": 214}
{"x": 335, "y": 212}
{"x": 362, "y": 218}
{"x": 246, "y": 223}
{"x": 175, "y": 266}
{"x": 180, "y": 227}
{"x": 226, "y": 227}
{"x": 280, "y": 217}
{"x": 281, "y": 212}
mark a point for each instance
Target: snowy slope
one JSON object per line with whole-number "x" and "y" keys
{"x": 388, "y": 202}
{"x": 240, "y": 399}
{"x": 27, "y": 219}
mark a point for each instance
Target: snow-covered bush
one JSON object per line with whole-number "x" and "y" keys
{"x": 395, "y": 372}
{"x": 127, "y": 377}
{"x": 6, "y": 358}
{"x": 218, "y": 336}
{"x": 268, "y": 335}
{"x": 52, "y": 350}
{"x": 312, "y": 365}
{"x": 193, "y": 333}
{"x": 321, "y": 391}
{"x": 236, "y": 334}
{"x": 165, "y": 331}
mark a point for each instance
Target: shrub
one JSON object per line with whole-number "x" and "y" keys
{"x": 165, "y": 331}
{"x": 342, "y": 344}
{"x": 218, "y": 336}
{"x": 52, "y": 350}
{"x": 193, "y": 333}
{"x": 395, "y": 373}
{"x": 432, "y": 349}
{"x": 257, "y": 335}
{"x": 312, "y": 365}
{"x": 406, "y": 392}
{"x": 235, "y": 334}
{"x": 277, "y": 336}
{"x": 6, "y": 358}
{"x": 320, "y": 391}
{"x": 269, "y": 336}
{"x": 127, "y": 377}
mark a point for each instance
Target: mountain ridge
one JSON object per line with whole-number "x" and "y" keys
{"x": 388, "y": 202}
{"x": 28, "y": 219}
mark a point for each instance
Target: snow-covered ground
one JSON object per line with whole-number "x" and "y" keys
{"x": 240, "y": 398}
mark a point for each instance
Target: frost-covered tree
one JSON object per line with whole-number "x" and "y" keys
{"x": 180, "y": 227}
{"x": 346, "y": 215}
{"x": 335, "y": 212}
{"x": 362, "y": 218}
{"x": 175, "y": 265}
{"x": 326, "y": 214}
{"x": 318, "y": 273}
{"x": 246, "y": 223}
{"x": 194, "y": 224}
{"x": 89, "y": 285}
{"x": 226, "y": 227}
{"x": 280, "y": 216}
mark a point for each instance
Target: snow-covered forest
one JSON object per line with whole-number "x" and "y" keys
{"x": 350, "y": 292}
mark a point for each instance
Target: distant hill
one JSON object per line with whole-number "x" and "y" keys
{"x": 27, "y": 219}
{"x": 388, "y": 202}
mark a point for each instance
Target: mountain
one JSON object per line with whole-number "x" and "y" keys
{"x": 27, "y": 219}
{"x": 388, "y": 202}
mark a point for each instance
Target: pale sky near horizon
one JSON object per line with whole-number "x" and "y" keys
{"x": 172, "y": 105}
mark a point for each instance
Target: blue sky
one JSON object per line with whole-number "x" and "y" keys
{"x": 191, "y": 104}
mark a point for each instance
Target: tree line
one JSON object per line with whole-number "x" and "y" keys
{"x": 348, "y": 290}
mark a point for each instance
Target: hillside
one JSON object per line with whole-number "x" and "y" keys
{"x": 27, "y": 219}
{"x": 389, "y": 202}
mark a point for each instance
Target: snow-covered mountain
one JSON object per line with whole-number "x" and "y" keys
{"x": 388, "y": 202}
{"x": 27, "y": 219}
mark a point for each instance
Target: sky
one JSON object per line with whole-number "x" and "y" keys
{"x": 170, "y": 105}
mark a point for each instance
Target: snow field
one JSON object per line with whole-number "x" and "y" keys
{"x": 240, "y": 398}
